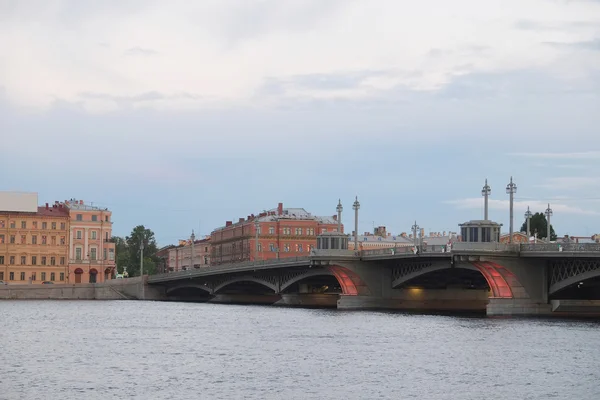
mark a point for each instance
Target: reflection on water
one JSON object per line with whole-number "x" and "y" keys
{"x": 152, "y": 350}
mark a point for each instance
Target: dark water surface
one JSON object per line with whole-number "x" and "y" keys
{"x": 151, "y": 350}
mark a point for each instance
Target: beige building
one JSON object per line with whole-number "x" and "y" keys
{"x": 179, "y": 257}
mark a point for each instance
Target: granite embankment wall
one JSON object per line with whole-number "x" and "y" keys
{"x": 116, "y": 289}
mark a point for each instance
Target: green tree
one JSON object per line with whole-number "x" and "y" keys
{"x": 122, "y": 253}
{"x": 133, "y": 241}
{"x": 539, "y": 224}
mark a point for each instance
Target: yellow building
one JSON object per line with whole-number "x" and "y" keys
{"x": 34, "y": 241}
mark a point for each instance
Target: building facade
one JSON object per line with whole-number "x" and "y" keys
{"x": 277, "y": 233}
{"x": 179, "y": 258}
{"x": 34, "y": 244}
{"x": 91, "y": 248}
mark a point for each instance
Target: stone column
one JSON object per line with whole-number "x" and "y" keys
{"x": 71, "y": 245}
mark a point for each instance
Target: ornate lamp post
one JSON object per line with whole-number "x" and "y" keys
{"x": 548, "y": 215}
{"x": 256, "y": 233}
{"x": 192, "y": 238}
{"x": 485, "y": 192}
{"x": 356, "y": 207}
{"x": 528, "y": 215}
{"x": 415, "y": 228}
{"x": 511, "y": 189}
{"x": 339, "y": 210}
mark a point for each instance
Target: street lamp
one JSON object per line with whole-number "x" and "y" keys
{"x": 485, "y": 192}
{"x": 528, "y": 215}
{"x": 256, "y": 232}
{"x": 511, "y": 189}
{"x": 415, "y": 228}
{"x": 339, "y": 210}
{"x": 356, "y": 207}
{"x": 548, "y": 215}
{"x": 192, "y": 238}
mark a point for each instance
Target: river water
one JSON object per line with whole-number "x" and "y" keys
{"x": 152, "y": 350}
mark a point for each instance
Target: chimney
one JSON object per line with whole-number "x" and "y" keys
{"x": 280, "y": 209}
{"x": 81, "y": 202}
{"x": 241, "y": 220}
{"x": 228, "y": 223}
{"x": 46, "y": 206}
{"x": 335, "y": 217}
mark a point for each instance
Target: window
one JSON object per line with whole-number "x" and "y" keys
{"x": 1, "y": 223}
{"x": 78, "y": 234}
{"x": 78, "y": 253}
{"x": 63, "y": 240}
{"x": 34, "y": 224}
{"x": 22, "y": 276}
{"x": 104, "y": 254}
{"x": 79, "y": 217}
{"x": 94, "y": 235}
{"x": 43, "y": 260}
{"x": 62, "y": 276}
{"x": 12, "y": 260}
{"x": 271, "y": 247}
{"x": 52, "y": 276}
{"x": 33, "y": 260}
{"x": 23, "y": 239}
{"x": 323, "y": 230}
{"x": 52, "y": 260}
{"x": 259, "y": 247}
{"x": 94, "y": 218}
{"x": 298, "y": 231}
{"x": 106, "y": 218}
{"x": 1, "y": 260}
{"x": 310, "y": 231}
{"x": 53, "y": 225}
{"x": 93, "y": 254}
{"x": 62, "y": 261}
{"x": 34, "y": 239}
{"x": 271, "y": 230}
{"x": 43, "y": 276}
{"x": 106, "y": 236}
{"x": 299, "y": 248}
{"x": 11, "y": 276}
{"x": 63, "y": 226}
{"x": 286, "y": 247}
{"x": 287, "y": 231}
{"x": 33, "y": 276}
{"x": 111, "y": 254}
{"x": 12, "y": 239}
{"x": 23, "y": 224}
{"x": 44, "y": 225}
{"x": 1, "y": 275}
{"x": 53, "y": 240}
{"x": 23, "y": 260}
{"x": 309, "y": 248}
{"x": 258, "y": 230}
{"x": 13, "y": 224}
{"x": 44, "y": 239}
{"x": 1, "y": 239}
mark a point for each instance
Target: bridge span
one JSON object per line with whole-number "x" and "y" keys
{"x": 495, "y": 278}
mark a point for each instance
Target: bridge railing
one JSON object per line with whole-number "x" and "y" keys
{"x": 404, "y": 250}
{"x": 558, "y": 247}
{"x": 487, "y": 246}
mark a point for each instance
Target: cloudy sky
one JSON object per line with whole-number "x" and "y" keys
{"x": 180, "y": 115}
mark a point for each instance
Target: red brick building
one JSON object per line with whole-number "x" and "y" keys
{"x": 282, "y": 232}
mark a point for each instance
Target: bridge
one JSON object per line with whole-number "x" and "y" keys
{"x": 495, "y": 278}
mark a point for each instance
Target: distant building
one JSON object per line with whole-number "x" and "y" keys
{"x": 34, "y": 241}
{"x": 519, "y": 237}
{"x": 179, "y": 257}
{"x": 282, "y": 232}
{"x": 91, "y": 248}
{"x": 379, "y": 239}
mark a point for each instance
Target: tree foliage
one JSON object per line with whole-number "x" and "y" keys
{"x": 539, "y": 224}
{"x": 129, "y": 251}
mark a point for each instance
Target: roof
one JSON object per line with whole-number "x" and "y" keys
{"x": 41, "y": 211}
{"x": 479, "y": 222}
{"x": 438, "y": 240}
{"x": 288, "y": 214}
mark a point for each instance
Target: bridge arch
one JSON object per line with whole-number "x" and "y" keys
{"x": 350, "y": 282}
{"x": 188, "y": 285}
{"x": 567, "y": 273}
{"x": 501, "y": 281}
{"x": 239, "y": 279}
{"x": 297, "y": 277}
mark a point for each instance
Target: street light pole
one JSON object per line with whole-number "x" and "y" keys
{"x": 356, "y": 207}
{"x": 548, "y": 215}
{"x": 339, "y": 210}
{"x": 142, "y": 266}
{"x": 485, "y": 192}
{"x": 193, "y": 238}
{"x": 415, "y": 228}
{"x": 256, "y": 232}
{"x": 528, "y": 215}
{"x": 511, "y": 189}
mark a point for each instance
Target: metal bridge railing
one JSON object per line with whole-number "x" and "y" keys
{"x": 487, "y": 246}
{"x": 558, "y": 247}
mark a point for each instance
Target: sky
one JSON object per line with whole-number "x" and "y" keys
{"x": 182, "y": 115}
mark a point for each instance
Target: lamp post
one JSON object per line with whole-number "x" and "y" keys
{"x": 528, "y": 215}
{"x": 485, "y": 192}
{"x": 142, "y": 266}
{"x": 256, "y": 233}
{"x": 192, "y": 238}
{"x": 415, "y": 228}
{"x": 356, "y": 207}
{"x": 339, "y": 210}
{"x": 548, "y": 215}
{"x": 511, "y": 189}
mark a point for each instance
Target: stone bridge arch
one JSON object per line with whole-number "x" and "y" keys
{"x": 501, "y": 281}
{"x": 565, "y": 272}
{"x": 186, "y": 285}
{"x": 268, "y": 282}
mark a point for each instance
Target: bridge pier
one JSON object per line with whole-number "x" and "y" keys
{"x": 242, "y": 298}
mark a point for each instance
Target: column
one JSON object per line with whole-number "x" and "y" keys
{"x": 71, "y": 245}
{"x": 85, "y": 246}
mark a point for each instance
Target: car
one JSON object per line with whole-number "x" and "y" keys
{"x": 47, "y": 283}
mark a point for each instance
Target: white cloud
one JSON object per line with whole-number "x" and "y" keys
{"x": 223, "y": 51}
{"x": 583, "y": 155}
{"x": 570, "y": 183}
{"x": 519, "y": 206}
